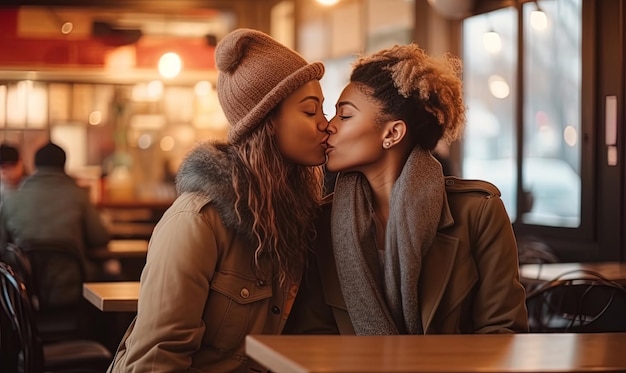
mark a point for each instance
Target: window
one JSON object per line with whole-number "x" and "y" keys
{"x": 531, "y": 153}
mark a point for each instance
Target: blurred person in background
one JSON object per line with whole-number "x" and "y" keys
{"x": 11, "y": 168}
{"x": 226, "y": 259}
{"x": 50, "y": 207}
{"x": 411, "y": 251}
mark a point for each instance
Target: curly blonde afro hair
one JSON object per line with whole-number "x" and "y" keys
{"x": 410, "y": 85}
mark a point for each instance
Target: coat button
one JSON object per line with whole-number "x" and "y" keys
{"x": 245, "y": 293}
{"x": 449, "y": 182}
{"x": 275, "y": 310}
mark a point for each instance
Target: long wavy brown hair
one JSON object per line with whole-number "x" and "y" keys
{"x": 283, "y": 198}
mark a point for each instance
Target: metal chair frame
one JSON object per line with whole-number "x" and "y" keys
{"x": 577, "y": 304}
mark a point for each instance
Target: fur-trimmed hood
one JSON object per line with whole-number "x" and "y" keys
{"x": 207, "y": 170}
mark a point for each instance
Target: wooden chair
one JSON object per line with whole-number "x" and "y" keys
{"x": 21, "y": 346}
{"x": 585, "y": 304}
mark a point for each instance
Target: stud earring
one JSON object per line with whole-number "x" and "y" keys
{"x": 386, "y": 144}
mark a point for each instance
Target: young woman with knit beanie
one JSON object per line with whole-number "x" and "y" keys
{"x": 226, "y": 259}
{"x": 413, "y": 252}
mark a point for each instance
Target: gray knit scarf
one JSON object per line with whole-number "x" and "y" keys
{"x": 385, "y": 301}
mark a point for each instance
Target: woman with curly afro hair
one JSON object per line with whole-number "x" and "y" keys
{"x": 411, "y": 251}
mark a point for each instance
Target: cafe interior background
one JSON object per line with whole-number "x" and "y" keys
{"x": 127, "y": 92}
{"x": 127, "y": 88}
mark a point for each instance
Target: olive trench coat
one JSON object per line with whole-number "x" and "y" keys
{"x": 469, "y": 281}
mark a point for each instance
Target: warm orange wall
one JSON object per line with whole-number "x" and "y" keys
{"x": 57, "y": 50}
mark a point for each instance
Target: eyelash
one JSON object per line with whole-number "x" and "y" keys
{"x": 344, "y": 117}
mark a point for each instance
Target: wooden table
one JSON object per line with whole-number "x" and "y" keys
{"x": 441, "y": 353}
{"x": 117, "y": 249}
{"x": 112, "y": 296}
{"x": 614, "y": 271}
{"x": 128, "y": 257}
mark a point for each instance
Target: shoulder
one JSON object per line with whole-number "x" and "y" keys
{"x": 475, "y": 200}
{"x": 190, "y": 202}
{"x": 456, "y": 185}
{"x": 191, "y": 216}
{"x": 195, "y": 206}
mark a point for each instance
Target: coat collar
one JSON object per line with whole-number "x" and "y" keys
{"x": 207, "y": 170}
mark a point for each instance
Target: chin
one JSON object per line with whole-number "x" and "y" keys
{"x": 320, "y": 161}
{"x": 310, "y": 162}
{"x": 333, "y": 162}
{"x": 330, "y": 167}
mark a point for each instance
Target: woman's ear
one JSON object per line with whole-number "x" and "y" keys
{"x": 394, "y": 132}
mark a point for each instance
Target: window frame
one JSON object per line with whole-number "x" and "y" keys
{"x": 598, "y": 236}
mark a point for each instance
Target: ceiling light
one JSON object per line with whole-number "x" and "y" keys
{"x": 492, "y": 41}
{"x": 67, "y": 27}
{"x": 538, "y": 20}
{"x": 170, "y": 65}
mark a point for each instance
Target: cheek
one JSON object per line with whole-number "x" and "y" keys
{"x": 305, "y": 133}
{"x": 353, "y": 150}
{"x": 301, "y": 143}
{"x": 294, "y": 137}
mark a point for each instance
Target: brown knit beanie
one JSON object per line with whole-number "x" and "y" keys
{"x": 255, "y": 74}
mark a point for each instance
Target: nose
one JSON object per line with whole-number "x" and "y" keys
{"x": 331, "y": 128}
{"x": 322, "y": 125}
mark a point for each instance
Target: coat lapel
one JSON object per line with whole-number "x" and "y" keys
{"x": 332, "y": 290}
{"x": 436, "y": 272}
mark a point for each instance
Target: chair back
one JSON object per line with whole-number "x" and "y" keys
{"x": 589, "y": 303}
{"x": 15, "y": 257}
{"x": 57, "y": 276}
{"x": 19, "y": 330}
{"x": 53, "y": 273}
